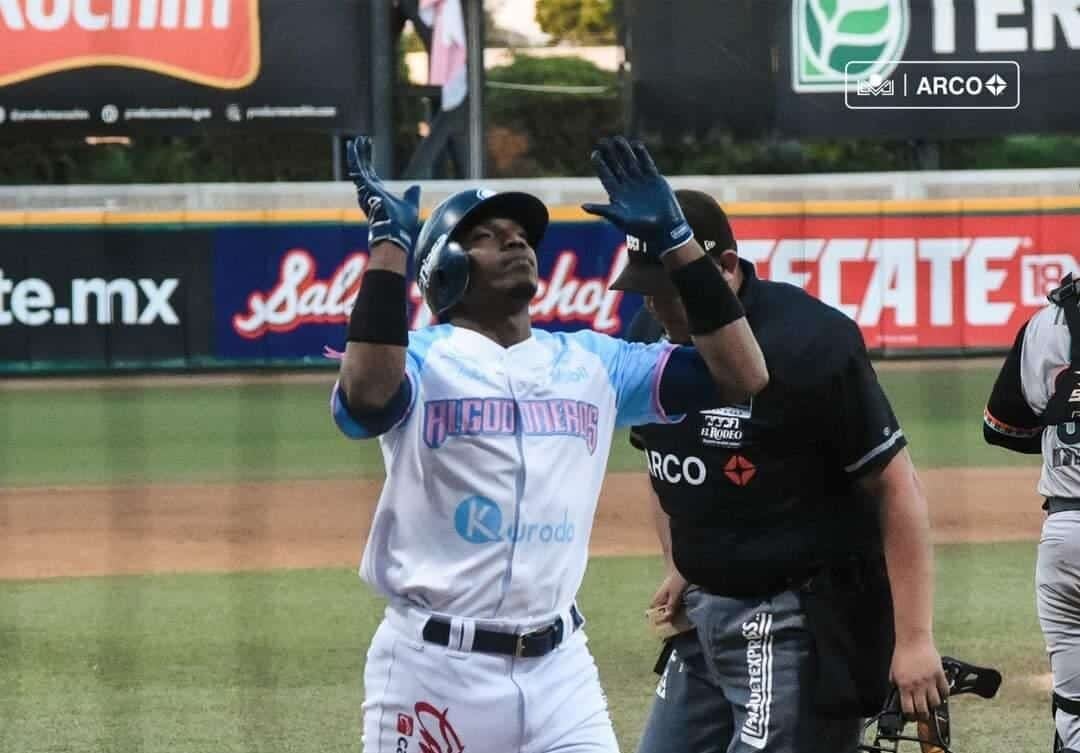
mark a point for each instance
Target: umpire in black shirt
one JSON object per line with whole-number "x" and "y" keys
{"x": 798, "y": 522}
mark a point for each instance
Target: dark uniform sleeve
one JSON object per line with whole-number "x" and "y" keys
{"x": 643, "y": 328}
{"x": 1008, "y": 420}
{"x": 867, "y": 435}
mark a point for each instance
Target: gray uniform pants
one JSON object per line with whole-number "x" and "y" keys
{"x": 1057, "y": 580}
{"x": 742, "y": 683}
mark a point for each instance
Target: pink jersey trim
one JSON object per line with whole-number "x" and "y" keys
{"x": 661, "y": 364}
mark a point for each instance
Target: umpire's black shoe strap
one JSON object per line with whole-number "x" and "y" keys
{"x": 527, "y": 645}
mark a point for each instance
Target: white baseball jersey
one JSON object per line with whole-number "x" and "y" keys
{"x": 1044, "y": 354}
{"x": 494, "y": 471}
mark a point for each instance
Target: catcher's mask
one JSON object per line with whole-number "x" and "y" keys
{"x": 933, "y": 735}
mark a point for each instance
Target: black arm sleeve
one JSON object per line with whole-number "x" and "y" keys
{"x": 868, "y": 435}
{"x": 687, "y": 384}
{"x": 1008, "y": 420}
{"x": 643, "y": 328}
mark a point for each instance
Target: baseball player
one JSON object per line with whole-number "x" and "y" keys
{"x": 790, "y": 516}
{"x": 495, "y": 438}
{"x": 1034, "y": 408}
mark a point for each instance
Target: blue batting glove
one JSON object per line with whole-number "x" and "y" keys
{"x": 390, "y": 218}
{"x": 642, "y": 203}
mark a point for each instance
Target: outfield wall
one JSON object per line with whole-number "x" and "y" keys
{"x": 904, "y": 186}
{"x": 101, "y": 289}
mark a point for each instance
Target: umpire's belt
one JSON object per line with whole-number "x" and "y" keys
{"x": 529, "y": 645}
{"x": 1061, "y": 504}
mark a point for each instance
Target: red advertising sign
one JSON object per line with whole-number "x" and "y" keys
{"x": 118, "y": 67}
{"x": 920, "y": 282}
{"x": 210, "y": 42}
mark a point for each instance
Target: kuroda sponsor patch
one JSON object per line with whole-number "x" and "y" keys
{"x": 480, "y": 520}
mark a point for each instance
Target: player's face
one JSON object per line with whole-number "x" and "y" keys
{"x": 502, "y": 264}
{"x": 668, "y": 309}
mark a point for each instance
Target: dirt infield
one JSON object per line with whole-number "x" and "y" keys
{"x": 53, "y": 532}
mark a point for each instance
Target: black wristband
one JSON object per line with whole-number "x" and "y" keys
{"x": 379, "y": 314}
{"x": 710, "y": 302}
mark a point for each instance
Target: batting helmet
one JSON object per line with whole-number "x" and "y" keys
{"x": 442, "y": 264}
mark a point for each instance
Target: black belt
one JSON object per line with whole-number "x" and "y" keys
{"x": 528, "y": 645}
{"x": 761, "y": 589}
{"x": 1061, "y": 504}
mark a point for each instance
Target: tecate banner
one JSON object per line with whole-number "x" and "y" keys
{"x": 921, "y": 282}
{"x": 912, "y": 283}
{"x": 118, "y": 66}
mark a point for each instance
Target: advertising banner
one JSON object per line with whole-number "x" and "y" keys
{"x": 927, "y": 68}
{"x": 945, "y": 277}
{"x": 919, "y": 283}
{"x": 96, "y": 298}
{"x": 930, "y": 69}
{"x": 120, "y": 66}
{"x": 285, "y": 292}
{"x": 913, "y": 283}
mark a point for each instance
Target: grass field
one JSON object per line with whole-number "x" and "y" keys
{"x": 268, "y": 662}
{"x": 271, "y": 662}
{"x": 283, "y": 431}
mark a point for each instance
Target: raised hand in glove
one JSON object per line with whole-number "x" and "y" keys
{"x": 642, "y": 203}
{"x": 390, "y": 218}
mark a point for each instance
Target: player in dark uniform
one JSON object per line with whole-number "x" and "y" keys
{"x": 790, "y": 517}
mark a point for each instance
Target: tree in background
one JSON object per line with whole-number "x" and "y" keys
{"x": 544, "y": 115}
{"x": 582, "y": 21}
{"x": 548, "y": 126}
